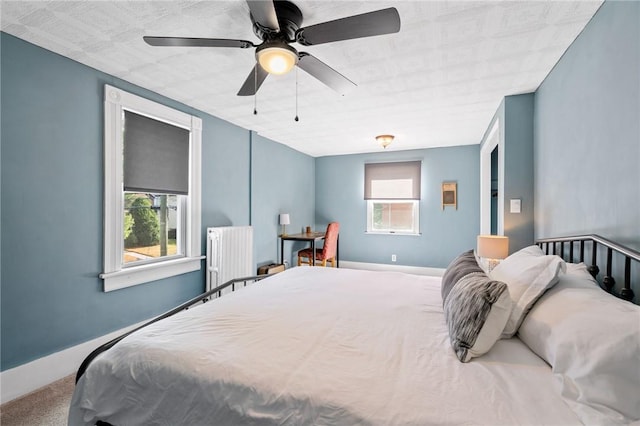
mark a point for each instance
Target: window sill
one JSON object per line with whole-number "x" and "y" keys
{"x": 128, "y": 277}
{"x": 410, "y": 234}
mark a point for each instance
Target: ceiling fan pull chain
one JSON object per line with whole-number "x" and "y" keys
{"x": 296, "y": 119}
{"x": 255, "y": 91}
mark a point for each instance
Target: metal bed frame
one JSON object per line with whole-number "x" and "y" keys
{"x": 587, "y": 245}
{"x": 202, "y": 298}
{"x": 596, "y": 242}
{"x": 549, "y": 245}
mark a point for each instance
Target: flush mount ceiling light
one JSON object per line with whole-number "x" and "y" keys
{"x": 384, "y": 140}
{"x": 277, "y": 58}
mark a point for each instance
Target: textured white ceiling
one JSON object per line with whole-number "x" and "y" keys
{"x": 437, "y": 82}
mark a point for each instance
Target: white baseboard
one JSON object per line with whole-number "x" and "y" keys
{"x": 417, "y": 270}
{"x": 29, "y": 377}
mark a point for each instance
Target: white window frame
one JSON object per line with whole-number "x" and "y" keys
{"x": 416, "y": 218}
{"x": 116, "y": 275}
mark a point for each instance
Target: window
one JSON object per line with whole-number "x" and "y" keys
{"x": 153, "y": 227}
{"x": 152, "y": 191}
{"x": 392, "y": 216}
{"x": 392, "y": 191}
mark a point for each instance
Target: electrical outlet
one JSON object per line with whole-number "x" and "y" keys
{"x": 393, "y": 257}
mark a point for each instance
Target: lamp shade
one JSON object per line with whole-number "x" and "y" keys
{"x": 277, "y": 58}
{"x": 284, "y": 219}
{"x": 493, "y": 246}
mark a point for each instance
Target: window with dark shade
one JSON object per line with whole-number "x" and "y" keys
{"x": 152, "y": 190}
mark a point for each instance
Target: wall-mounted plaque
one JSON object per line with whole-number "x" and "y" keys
{"x": 449, "y": 194}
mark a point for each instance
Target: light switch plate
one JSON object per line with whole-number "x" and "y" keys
{"x": 515, "y": 204}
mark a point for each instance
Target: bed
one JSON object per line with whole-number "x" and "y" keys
{"x": 328, "y": 346}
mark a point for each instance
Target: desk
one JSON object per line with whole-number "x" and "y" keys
{"x": 309, "y": 237}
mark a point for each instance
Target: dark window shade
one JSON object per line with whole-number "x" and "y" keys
{"x": 156, "y": 156}
{"x": 392, "y": 181}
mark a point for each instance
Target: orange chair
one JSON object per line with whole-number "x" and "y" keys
{"x": 327, "y": 252}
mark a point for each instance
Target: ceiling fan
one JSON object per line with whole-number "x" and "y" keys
{"x": 277, "y": 24}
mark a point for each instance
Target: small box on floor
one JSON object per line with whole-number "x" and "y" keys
{"x": 273, "y": 268}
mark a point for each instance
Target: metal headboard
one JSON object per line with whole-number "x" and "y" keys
{"x": 551, "y": 245}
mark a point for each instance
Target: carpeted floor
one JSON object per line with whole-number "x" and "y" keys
{"x": 47, "y": 406}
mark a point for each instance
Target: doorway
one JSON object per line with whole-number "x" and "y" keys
{"x": 492, "y": 183}
{"x": 494, "y": 191}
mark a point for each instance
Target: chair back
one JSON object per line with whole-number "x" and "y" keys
{"x": 331, "y": 241}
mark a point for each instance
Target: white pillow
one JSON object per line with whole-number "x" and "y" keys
{"x": 528, "y": 273}
{"x": 591, "y": 339}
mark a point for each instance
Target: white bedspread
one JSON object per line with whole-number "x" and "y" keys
{"x": 317, "y": 346}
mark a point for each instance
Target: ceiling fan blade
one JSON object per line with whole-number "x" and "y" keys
{"x": 325, "y": 73}
{"x": 197, "y": 42}
{"x": 264, "y": 13}
{"x": 254, "y": 81}
{"x": 385, "y": 21}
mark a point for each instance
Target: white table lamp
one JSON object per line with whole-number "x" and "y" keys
{"x": 494, "y": 248}
{"x": 284, "y": 221}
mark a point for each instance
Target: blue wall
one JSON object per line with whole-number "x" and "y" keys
{"x": 283, "y": 182}
{"x": 444, "y": 233}
{"x": 515, "y": 118}
{"x": 225, "y": 174}
{"x": 518, "y": 169}
{"x": 52, "y": 203}
{"x": 587, "y": 132}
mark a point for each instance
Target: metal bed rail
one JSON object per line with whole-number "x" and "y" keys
{"x": 202, "y": 298}
{"x": 551, "y": 245}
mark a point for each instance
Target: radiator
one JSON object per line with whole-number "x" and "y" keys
{"x": 229, "y": 254}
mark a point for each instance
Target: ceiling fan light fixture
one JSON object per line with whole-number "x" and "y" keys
{"x": 278, "y": 59}
{"x": 384, "y": 140}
